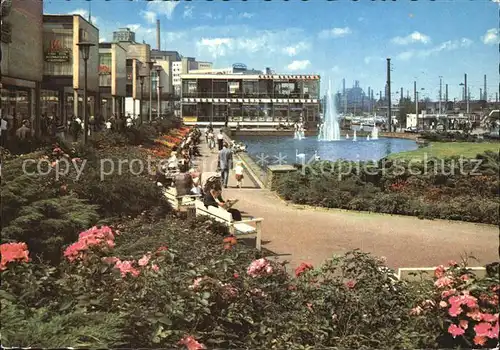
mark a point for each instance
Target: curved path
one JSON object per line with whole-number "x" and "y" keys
{"x": 301, "y": 234}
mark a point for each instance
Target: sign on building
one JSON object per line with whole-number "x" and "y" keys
{"x": 56, "y": 53}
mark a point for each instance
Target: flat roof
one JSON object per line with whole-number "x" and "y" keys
{"x": 249, "y": 76}
{"x": 63, "y": 18}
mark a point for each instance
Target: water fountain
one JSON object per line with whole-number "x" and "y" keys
{"x": 347, "y": 136}
{"x": 299, "y": 132}
{"x": 331, "y": 129}
{"x": 367, "y": 137}
{"x": 375, "y": 133}
{"x": 355, "y": 138}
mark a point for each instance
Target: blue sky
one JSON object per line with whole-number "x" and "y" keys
{"x": 341, "y": 39}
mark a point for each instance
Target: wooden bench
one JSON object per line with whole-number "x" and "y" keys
{"x": 240, "y": 229}
{"x": 176, "y": 201}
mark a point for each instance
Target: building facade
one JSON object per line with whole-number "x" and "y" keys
{"x": 112, "y": 78}
{"x": 250, "y": 99}
{"x": 21, "y": 60}
{"x": 63, "y": 67}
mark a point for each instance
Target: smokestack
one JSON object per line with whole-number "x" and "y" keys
{"x": 480, "y": 93}
{"x": 446, "y": 93}
{"x": 484, "y": 90}
{"x": 401, "y": 96}
{"x": 158, "y": 40}
{"x": 343, "y": 87}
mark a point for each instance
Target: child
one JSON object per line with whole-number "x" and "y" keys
{"x": 238, "y": 170}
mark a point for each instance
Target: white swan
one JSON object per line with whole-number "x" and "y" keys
{"x": 316, "y": 156}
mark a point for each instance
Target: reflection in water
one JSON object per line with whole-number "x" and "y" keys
{"x": 283, "y": 149}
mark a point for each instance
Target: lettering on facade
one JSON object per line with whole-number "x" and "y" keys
{"x": 56, "y": 53}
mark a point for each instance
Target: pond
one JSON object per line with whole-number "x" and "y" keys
{"x": 274, "y": 150}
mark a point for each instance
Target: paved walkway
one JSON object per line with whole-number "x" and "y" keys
{"x": 313, "y": 235}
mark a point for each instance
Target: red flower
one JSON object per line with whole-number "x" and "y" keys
{"x": 350, "y": 284}
{"x": 191, "y": 343}
{"x": 11, "y": 252}
{"x": 303, "y": 268}
{"x": 235, "y": 275}
{"x": 161, "y": 249}
{"x": 479, "y": 340}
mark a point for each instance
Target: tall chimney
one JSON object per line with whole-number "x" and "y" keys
{"x": 158, "y": 40}
{"x": 446, "y": 93}
{"x": 484, "y": 90}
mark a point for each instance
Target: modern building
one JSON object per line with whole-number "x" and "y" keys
{"x": 21, "y": 59}
{"x": 63, "y": 71}
{"x": 124, "y": 35}
{"x": 251, "y": 100}
{"x": 112, "y": 78}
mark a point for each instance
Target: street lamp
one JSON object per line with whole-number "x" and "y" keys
{"x": 150, "y": 66}
{"x": 85, "y": 50}
{"x": 141, "y": 78}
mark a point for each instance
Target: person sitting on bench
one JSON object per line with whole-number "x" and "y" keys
{"x": 213, "y": 197}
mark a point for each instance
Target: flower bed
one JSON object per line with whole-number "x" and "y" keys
{"x": 464, "y": 190}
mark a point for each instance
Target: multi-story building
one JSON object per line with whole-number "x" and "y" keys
{"x": 124, "y": 35}
{"x": 21, "y": 60}
{"x": 250, "y": 99}
{"x": 112, "y": 78}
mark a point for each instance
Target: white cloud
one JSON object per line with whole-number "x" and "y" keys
{"x": 188, "y": 11}
{"x": 335, "y": 69}
{"x": 102, "y": 40}
{"x": 149, "y": 16}
{"x": 216, "y": 47}
{"x": 133, "y": 27}
{"x": 85, "y": 14}
{"x": 335, "y": 33}
{"x": 246, "y": 15}
{"x": 449, "y": 45}
{"x": 163, "y": 8}
{"x": 491, "y": 36}
{"x": 210, "y": 15}
{"x": 415, "y": 37}
{"x": 293, "y": 50}
{"x": 298, "y": 65}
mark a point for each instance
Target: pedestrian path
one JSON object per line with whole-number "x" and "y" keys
{"x": 297, "y": 234}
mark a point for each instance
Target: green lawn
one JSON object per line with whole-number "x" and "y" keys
{"x": 448, "y": 149}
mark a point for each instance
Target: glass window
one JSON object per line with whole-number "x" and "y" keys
{"x": 311, "y": 89}
{"x": 281, "y": 112}
{"x": 189, "y": 88}
{"x": 250, "y": 88}
{"x": 58, "y": 50}
{"x": 105, "y": 69}
{"x": 205, "y": 112}
{"x": 15, "y": 104}
{"x": 220, "y": 88}
{"x": 235, "y": 112}
{"x": 220, "y": 111}
{"x": 189, "y": 110}
{"x": 283, "y": 89}
{"x": 266, "y": 88}
{"x": 234, "y": 88}
{"x": 250, "y": 112}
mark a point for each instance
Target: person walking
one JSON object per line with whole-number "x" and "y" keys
{"x": 220, "y": 140}
{"x": 225, "y": 163}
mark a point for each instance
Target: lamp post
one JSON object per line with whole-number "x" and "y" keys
{"x": 141, "y": 78}
{"x": 85, "y": 50}
{"x": 158, "y": 70}
{"x": 150, "y": 66}
{"x": 159, "y": 100}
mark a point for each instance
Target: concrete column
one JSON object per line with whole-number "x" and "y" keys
{"x": 133, "y": 108}
{"x": 113, "y": 105}
{"x": 75, "y": 103}
{"x": 37, "y": 110}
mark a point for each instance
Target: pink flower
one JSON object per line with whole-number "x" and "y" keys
{"x": 447, "y": 293}
{"x": 452, "y": 263}
{"x": 229, "y": 291}
{"x": 493, "y": 334}
{"x": 144, "y": 260}
{"x": 191, "y": 343}
{"x": 455, "y": 310}
{"x": 482, "y": 329}
{"x": 428, "y": 303}
{"x": 464, "y": 324}
{"x": 475, "y": 314}
{"x": 454, "y": 330}
{"x": 155, "y": 268}
{"x": 310, "y": 306}
{"x": 350, "y": 284}
{"x": 443, "y": 304}
{"x": 260, "y": 267}
{"x": 464, "y": 278}
{"x": 126, "y": 267}
{"x": 439, "y": 271}
{"x": 110, "y": 260}
{"x": 257, "y": 292}
{"x": 95, "y": 237}
{"x": 235, "y": 275}
{"x": 11, "y": 252}
{"x": 479, "y": 340}
{"x": 416, "y": 311}
{"x": 444, "y": 281}
{"x": 489, "y": 317}
{"x": 74, "y": 160}
{"x": 196, "y": 283}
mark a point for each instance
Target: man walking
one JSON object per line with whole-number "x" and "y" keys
{"x": 220, "y": 139}
{"x": 225, "y": 163}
